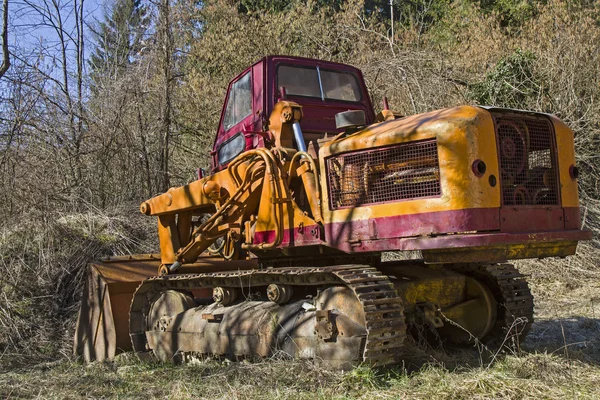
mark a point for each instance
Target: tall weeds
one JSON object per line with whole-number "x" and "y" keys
{"x": 43, "y": 265}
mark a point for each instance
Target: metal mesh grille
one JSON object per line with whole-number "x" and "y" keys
{"x": 527, "y": 160}
{"x": 406, "y": 171}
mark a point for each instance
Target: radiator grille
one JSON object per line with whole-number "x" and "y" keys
{"x": 528, "y": 171}
{"x": 402, "y": 172}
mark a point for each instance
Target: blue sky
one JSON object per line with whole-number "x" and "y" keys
{"x": 29, "y": 27}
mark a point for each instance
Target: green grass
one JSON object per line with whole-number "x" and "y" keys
{"x": 533, "y": 375}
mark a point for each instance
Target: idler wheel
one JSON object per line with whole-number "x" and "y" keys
{"x": 279, "y": 294}
{"x": 473, "y": 318}
{"x": 166, "y": 305}
{"x": 224, "y": 295}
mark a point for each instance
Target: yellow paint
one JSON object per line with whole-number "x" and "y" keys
{"x": 463, "y": 135}
{"x": 293, "y": 216}
{"x": 191, "y": 196}
{"x": 443, "y": 292}
{"x": 566, "y": 158}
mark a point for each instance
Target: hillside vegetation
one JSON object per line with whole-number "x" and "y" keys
{"x": 85, "y": 137}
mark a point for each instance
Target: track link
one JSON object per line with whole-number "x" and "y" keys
{"x": 383, "y": 309}
{"x": 384, "y": 314}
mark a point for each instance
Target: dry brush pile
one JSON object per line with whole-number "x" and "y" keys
{"x": 43, "y": 263}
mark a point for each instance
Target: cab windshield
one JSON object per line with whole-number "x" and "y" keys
{"x": 319, "y": 83}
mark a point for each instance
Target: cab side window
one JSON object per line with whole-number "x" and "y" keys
{"x": 231, "y": 148}
{"x": 239, "y": 102}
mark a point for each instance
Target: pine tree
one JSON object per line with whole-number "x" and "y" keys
{"x": 120, "y": 38}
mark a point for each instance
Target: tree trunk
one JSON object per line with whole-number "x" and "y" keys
{"x": 166, "y": 43}
{"x": 5, "y": 54}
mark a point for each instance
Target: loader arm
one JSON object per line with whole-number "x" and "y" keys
{"x": 233, "y": 199}
{"x": 254, "y": 185}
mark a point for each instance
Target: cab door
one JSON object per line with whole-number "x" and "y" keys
{"x": 240, "y": 117}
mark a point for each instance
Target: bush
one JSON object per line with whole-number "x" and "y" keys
{"x": 511, "y": 83}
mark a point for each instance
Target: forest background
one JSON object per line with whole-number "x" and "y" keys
{"x": 106, "y": 109}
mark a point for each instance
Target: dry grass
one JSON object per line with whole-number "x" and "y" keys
{"x": 532, "y": 375}
{"x": 42, "y": 266}
{"x": 567, "y": 296}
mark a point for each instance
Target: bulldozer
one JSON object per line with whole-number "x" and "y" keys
{"x": 278, "y": 248}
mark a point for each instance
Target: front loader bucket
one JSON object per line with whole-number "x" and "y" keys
{"x": 103, "y": 323}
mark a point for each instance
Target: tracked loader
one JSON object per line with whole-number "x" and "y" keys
{"x": 278, "y": 248}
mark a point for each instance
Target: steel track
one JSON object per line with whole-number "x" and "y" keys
{"x": 512, "y": 294}
{"x": 383, "y": 309}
